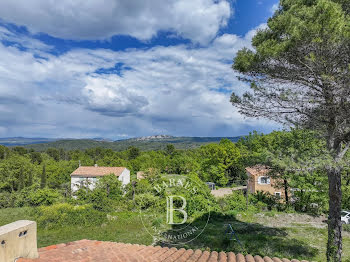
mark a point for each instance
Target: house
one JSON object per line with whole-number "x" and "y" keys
{"x": 260, "y": 180}
{"x": 148, "y": 172}
{"x": 140, "y": 175}
{"x": 88, "y": 175}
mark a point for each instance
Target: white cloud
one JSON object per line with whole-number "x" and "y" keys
{"x": 177, "y": 90}
{"x": 274, "y": 8}
{"x": 198, "y": 20}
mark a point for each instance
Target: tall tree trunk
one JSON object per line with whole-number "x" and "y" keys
{"x": 334, "y": 245}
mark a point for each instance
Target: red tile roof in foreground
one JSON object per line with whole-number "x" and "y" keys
{"x": 94, "y": 171}
{"x": 99, "y": 251}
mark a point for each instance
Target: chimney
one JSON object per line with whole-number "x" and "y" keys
{"x": 96, "y": 165}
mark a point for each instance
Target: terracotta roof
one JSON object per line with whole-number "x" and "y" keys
{"x": 258, "y": 170}
{"x": 92, "y": 171}
{"x": 95, "y": 251}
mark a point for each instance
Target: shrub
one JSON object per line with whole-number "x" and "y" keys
{"x": 33, "y": 196}
{"x": 235, "y": 201}
{"x": 8, "y": 199}
{"x": 146, "y": 200}
{"x": 43, "y": 196}
{"x": 100, "y": 201}
{"x": 68, "y": 215}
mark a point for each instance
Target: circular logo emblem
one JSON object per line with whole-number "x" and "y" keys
{"x": 180, "y": 212}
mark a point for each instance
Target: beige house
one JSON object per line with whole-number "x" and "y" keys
{"x": 88, "y": 175}
{"x": 260, "y": 180}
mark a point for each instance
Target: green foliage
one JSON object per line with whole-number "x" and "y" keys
{"x": 147, "y": 200}
{"x": 43, "y": 178}
{"x": 170, "y": 149}
{"x": 3, "y": 152}
{"x": 54, "y": 153}
{"x": 100, "y": 201}
{"x": 221, "y": 162}
{"x": 346, "y": 227}
{"x": 20, "y": 150}
{"x": 44, "y": 196}
{"x": 237, "y": 202}
{"x": 111, "y": 185}
{"x": 16, "y": 171}
{"x": 36, "y": 158}
{"x": 30, "y": 196}
{"x": 134, "y": 152}
{"x": 64, "y": 214}
{"x": 8, "y": 199}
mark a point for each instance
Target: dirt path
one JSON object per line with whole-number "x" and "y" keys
{"x": 290, "y": 220}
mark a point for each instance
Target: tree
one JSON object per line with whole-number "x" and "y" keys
{"x": 134, "y": 152}
{"x": 170, "y": 149}
{"x": 299, "y": 75}
{"x": 3, "y": 152}
{"x": 54, "y": 153}
{"x": 220, "y": 162}
{"x": 43, "y": 177}
{"x": 15, "y": 172}
{"x": 284, "y": 149}
{"x": 36, "y": 157}
{"x": 20, "y": 150}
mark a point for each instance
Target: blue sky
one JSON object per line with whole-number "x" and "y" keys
{"x": 123, "y": 68}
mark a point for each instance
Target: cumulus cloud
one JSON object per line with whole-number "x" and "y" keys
{"x": 198, "y": 20}
{"x": 179, "y": 90}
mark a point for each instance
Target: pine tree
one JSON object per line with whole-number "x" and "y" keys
{"x": 43, "y": 178}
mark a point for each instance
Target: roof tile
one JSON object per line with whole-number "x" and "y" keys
{"x": 99, "y": 251}
{"x": 93, "y": 171}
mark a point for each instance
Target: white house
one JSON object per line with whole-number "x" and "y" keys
{"x": 88, "y": 175}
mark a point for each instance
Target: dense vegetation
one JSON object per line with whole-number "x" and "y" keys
{"x": 30, "y": 178}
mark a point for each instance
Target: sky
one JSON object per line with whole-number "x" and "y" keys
{"x": 125, "y": 68}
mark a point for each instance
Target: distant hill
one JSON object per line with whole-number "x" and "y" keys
{"x": 144, "y": 143}
{"x": 20, "y": 141}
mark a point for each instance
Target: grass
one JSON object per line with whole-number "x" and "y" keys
{"x": 295, "y": 240}
{"x": 126, "y": 227}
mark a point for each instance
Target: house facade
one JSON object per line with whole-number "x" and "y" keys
{"x": 260, "y": 180}
{"x": 89, "y": 175}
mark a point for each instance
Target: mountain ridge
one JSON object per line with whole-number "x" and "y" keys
{"x": 156, "y": 142}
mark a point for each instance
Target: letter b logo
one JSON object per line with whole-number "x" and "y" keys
{"x": 171, "y": 209}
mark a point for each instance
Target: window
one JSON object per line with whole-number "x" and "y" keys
{"x": 264, "y": 180}
{"x": 278, "y": 194}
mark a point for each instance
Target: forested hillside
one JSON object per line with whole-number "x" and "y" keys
{"x": 120, "y": 145}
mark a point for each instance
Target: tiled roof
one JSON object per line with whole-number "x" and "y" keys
{"x": 90, "y": 171}
{"x": 257, "y": 170}
{"x": 99, "y": 251}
